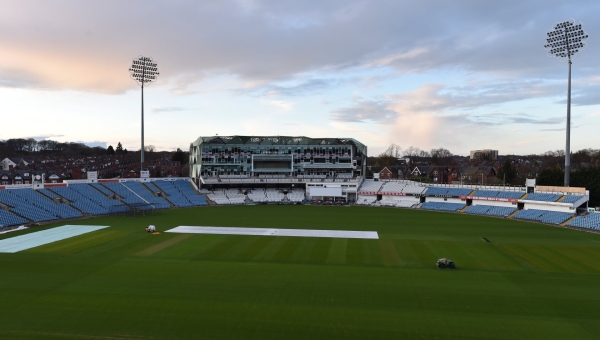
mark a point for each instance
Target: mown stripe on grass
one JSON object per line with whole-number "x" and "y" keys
{"x": 337, "y": 251}
{"x": 406, "y": 252}
{"x": 356, "y": 252}
{"x": 269, "y": 251}
{"x": 219, "y": 248}
{"x": 288, "y": 248}
{"x": 320, "y": 252}
{"x": 302, "y": 253}
{"x": 250, "y": 249}
{"x": 424, "y": 252}
{"x": 162, "y": 245}
{"x": 390, "y": 256}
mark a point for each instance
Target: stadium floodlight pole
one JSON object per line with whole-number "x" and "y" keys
{"x": 563, "y": 42}
{"x": 143, "y": 70}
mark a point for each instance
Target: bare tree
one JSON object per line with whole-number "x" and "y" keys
{"x": 393, "y": 150}
{"x": 412, "y": 151}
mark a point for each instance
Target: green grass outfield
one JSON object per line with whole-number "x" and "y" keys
{"x": 532, "y": 281}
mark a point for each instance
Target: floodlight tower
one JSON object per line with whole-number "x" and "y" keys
{"x": 563, "y": 42}
{"x": 143, "y": 70}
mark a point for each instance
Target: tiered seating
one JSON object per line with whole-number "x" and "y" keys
{"x": 442, "y": 206}
{"x": 366, "y": 200}
{"x": 235, "y": 196}
{"x": 8, "y": 219}
{"x": 257, "y": 195}
{"x": 555, "y": 217}
{"x": 571, "y": 199}
{"x": 498, "y": 194}
{"x": 490, "y": 210}
{"x": 102, "y": 189}
{"x": 536, "y": 196}
{"x": 395, "y": 203}
{"x": 173, "y": 194}
{"x": 432, "y": 191}
{"x": 186, "y": 190}
{"x": 146, "y": 195}
{"x": 127, "y": 195}
{"x": 591, "y": 221}
{"x": 24, "y": 208}
{"x": 296, "y": 196}
{"x": 48, "y": 193}
{"x": 57, "y": 209}
{"x": 370, "y": 185}
{"x": 413, "y": 190}
{"x": 219, "y": 197}
{"x": 274, "y": 195}
{"x": 550, "y": 217}
{"x": 88, "y": 200}
{"x": 530, "y": 214}
{"x": 392, "y": 187}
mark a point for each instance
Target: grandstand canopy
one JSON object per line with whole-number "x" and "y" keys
{"x": 278, "y": 140}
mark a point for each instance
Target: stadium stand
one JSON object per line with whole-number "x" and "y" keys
{"x": 173, "y": 195}
{"x": 102, "y": 189}
{"x": 257, "y": 196}
{"x": 9, "y": 219}
{"x": 370, "y": 185}
{"x": 396, "y": 203}
{"x": 296, "y": 196}
{"x": 392, "y": 187}
{"x": 413, "y": 190}
{"x": 128, "y": 196}
{"x": 498, "y": 194}
{"x": 571, "y": 198}
{"x": 490, "y": 210}
{"x": 57, "y": 209}
{"x": 433, "y": 191}
{"x": 544, "y": 216}
{"x": 185, "y": 188}
{"x": 442, "y": 206}
{"x": 591, "y": 221}
{"x": 34, "y": 206}
{"x": 535, "y": 196}
{"x": 89, "y": 200}
{"x": 145, "y": 194}
{"x": 366, "y": 200}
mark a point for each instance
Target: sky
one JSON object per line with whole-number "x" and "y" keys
{"x": 462, "y": 75}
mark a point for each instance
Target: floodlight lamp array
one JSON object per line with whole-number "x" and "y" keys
{"x": 566, "y": 39}
{"x": 143, "y": 70}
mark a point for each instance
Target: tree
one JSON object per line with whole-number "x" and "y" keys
{"x": 551, "y": 176}
{"x": 149, "y": 148}
{"x": 411, "y": 151}
{"x": 180, "y": 156}
{"x": 507, "y": 173}
{"x": 393, "y": 151}
{"x": 110, "y": 150}
{"x": 119, "y": 149}
{"x": 589, "y": 178}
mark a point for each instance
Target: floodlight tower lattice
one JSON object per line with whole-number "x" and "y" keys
{"x": 564, "y": 41}
{"x": 144, "y": 71}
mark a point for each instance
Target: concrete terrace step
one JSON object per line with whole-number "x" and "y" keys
{"x": 513, "y": 214}
{"x": 567, "y": 221}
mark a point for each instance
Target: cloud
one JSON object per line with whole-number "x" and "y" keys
{"x": 364, "y": 111}
{"x": 42, "y": 137}
{"x": 168, "y": 109}
{"x": 89, "y": 46}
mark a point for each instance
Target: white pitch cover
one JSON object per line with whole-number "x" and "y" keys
{"x": 275, "y": 232}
